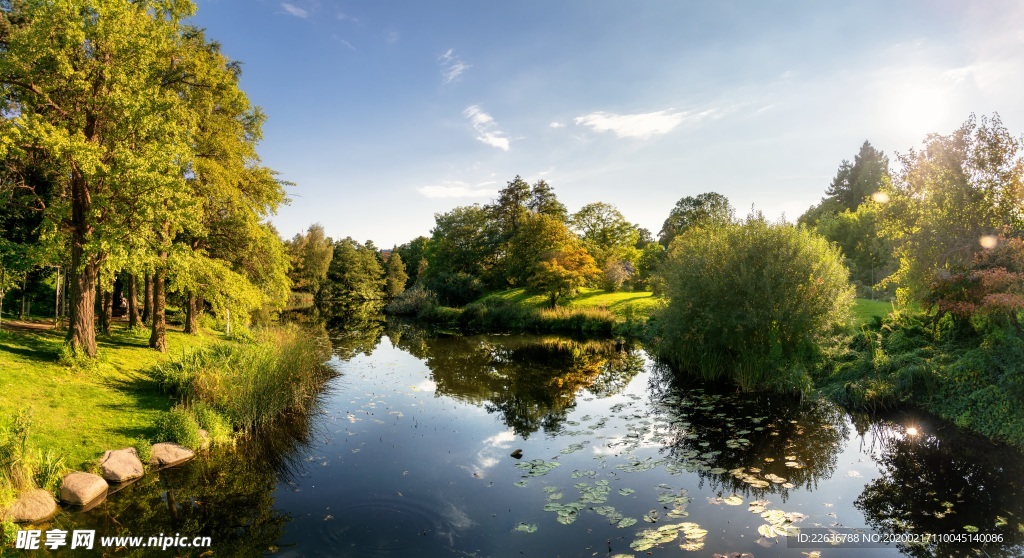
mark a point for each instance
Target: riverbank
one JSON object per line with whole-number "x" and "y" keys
{"x": 81, "y": 408}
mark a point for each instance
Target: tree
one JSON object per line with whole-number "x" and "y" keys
{"x": 354, "y": 275}
{"x": 395, "y": 275}
{"x": 858, "y": 233}
{"x": 563, "y": 271}
{"x": 607, "y": 236}
{"x": 414, "y": 255}
{"x": 692, "y": 210}
{"x": 544, "y": 202}
{"x": 100, "y": 89}
{"x": 310, "y": 256}
{"x": 951, "y": 195}
{"x": 508, "y": 210}
{"x": 853, "y": 184}
{"x": 751, "y": 301}
{"x": 462, "y": 241}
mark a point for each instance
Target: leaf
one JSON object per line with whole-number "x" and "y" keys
{"x": 733, "y": 500}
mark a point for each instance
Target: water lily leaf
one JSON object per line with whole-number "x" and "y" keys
{"x": 692, "y": 546}
{"x": 552, "y": 507}
{"x": 766, "y": 531}
{"x": 520, "y": 484}
{"x": 970, "y": 528}
{"x": 626, "y": 491}
{"x": 717, "y": 471}
{"x": 626, "y": 522}
{"x": 526, "y": 528}
{"x": 733, "y": 500}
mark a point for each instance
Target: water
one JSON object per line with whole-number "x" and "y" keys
{"x": 409, "y": 455}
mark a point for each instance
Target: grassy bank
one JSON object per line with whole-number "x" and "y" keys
{"x": 243, "y": 385}
{"x": 81, "y": 408}
{"x": 591, "y": 312}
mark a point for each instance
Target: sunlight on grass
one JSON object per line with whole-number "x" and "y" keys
{"x": 865, "y": 309}
{"x": 85, "y": 409}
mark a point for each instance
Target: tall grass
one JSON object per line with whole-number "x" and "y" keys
{"x": 21, "y": 468}
{"x": 249, "y": 383}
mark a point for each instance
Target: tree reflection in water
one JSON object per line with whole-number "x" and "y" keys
{"x": 531, "y": 381}
{"x": 226, "y": 494}
{"x": 715, "y": 429}
{"x": 944, "y": 480}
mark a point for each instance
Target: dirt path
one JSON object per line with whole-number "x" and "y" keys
{"x": 26, "y": 327}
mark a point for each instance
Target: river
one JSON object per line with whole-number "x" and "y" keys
{"x": 409, "y": 453}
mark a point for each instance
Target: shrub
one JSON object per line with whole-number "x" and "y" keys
{"x": 751, "y": 301}
{"x": 411, "y": 301}
{"x": 180, "y": 426}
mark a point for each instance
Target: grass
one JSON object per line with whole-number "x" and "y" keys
{"x": 79, "y": 409}
{"x": 621, "y": 304}
{"x": 249, "y": 383}
{"x": 865, "y": 310}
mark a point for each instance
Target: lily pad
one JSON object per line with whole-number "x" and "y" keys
{"x": 526, "y": 528}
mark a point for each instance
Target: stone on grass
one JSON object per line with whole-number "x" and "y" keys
{"x": 121, "y": 465}
{"x": 79, "y": 489}
{"x": 168, "y": 455}
{"x": 34, "y": 506}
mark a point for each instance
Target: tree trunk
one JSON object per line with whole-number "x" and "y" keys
{"x": 147, "y": 303}
{"x": 191, "y": 314}
{"x": 81, "y": 323}
{"x": 107, "y": 315}
{"x": 158, "y": 337}
{"x": 133, "y": 303}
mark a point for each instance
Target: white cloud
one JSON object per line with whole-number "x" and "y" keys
{"x": 452, "y": 66}
{"x": 392, "y": 37}
{"x": 486, "y": 128}
{"x": 292, "y": 9}
{"x": 456, "y": 189}
{"x": 556, "y": 125}
{"x": 342, "y": 16}
{"x": 642, "y": 125}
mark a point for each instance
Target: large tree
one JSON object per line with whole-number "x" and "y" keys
{"x": 98, "y": 88}
{"x": 709, "y": 207}
{"x": 608, "y": 237}
{"x": 952, "y": 195}
{"x": 310, "y": 255}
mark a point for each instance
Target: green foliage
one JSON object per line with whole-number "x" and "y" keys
{"x": 355, "y": 274}
{"x": 414, "y": 255}
{"x": 868, "y": 253}
{"x": 310, "y": 255}
{"x": 180, "y": 426}
{"x": 969, "y": 373}
{"x": 395, "y": 276}
{"x": 50, "y": 468}
{"x": 690, "y": 211}
{"x": 752, "y": 301}
{"x": 249, "y": 384}
{"x": 411, "y": 302}
{"x": 16, "y": 471}
{"x": 562, "y": 272}
{"x": 949, "y": 197}
{"x": 608, "y": 237}
{"x": 991, "y": 289}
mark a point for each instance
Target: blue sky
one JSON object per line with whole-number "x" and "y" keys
{"x": 383, "y": 113}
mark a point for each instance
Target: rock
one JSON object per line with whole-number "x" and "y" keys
{"x": 34, "y": 506}
{"x": 121, "y": 465}
{"x": 169, "y": 455}
{"x": 80, "y": 488}
{"x": 518, "y": 454}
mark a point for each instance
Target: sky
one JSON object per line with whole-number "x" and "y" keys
{"x": 383, "y": 113}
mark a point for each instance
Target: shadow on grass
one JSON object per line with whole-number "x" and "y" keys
{"x": 144, "y": 394}
{"x": 42, "y": 346}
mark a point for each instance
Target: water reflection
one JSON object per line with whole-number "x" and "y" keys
{"x": 749, "y": 444}
{"x": 531, "y": 382}
{"x": 944, "y": 480}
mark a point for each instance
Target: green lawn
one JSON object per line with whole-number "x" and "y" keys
{"x": 619, "y": 303}
{"x": 864, "y": 309}
{"x": 85, "y": 409}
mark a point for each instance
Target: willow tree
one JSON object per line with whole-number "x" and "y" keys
{"x": 96, "y": 86}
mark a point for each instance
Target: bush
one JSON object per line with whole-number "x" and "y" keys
{"x": 411, "y": 301}
{"x": 751, "y": 301}
{"x": 180, "y": 426}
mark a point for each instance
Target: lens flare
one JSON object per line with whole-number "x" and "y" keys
{"x": 912, "y": 431}
{"x": 880, "y": 197}
{"x": 988, "y": 241}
